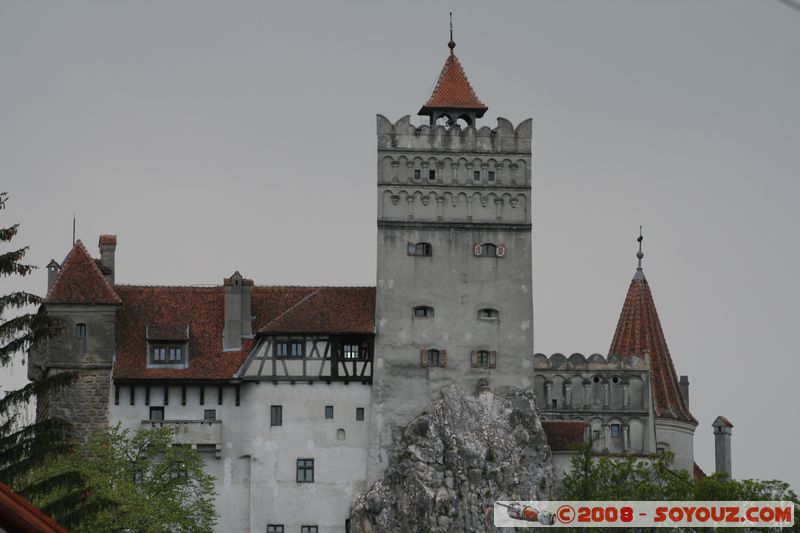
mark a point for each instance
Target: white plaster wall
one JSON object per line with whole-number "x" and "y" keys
{"x": 256, "y": 475}
{"x": 680, "y": 437}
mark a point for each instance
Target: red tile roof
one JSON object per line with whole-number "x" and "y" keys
{"x": 564, "y": 435}
{"x": 328, "y": 310}
{"x": 698, "y": 473}
{"x": 108, "y": 239}
{"x": 638, "y": 331}
{"x": 81, "y": 281}
{"x": 18, "y": 514}
{"x": 291, "y": 309}
{"x": 453, "y": 90}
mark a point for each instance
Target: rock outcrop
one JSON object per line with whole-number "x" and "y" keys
{"x": 450, "y": 463}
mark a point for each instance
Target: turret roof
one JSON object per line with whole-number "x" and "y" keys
{"x": 453, "y": 90}
{"x": 81, "y": 281}
{"x": 639, "y": 331}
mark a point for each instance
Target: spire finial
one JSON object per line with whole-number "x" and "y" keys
{"x": 452, "y": 43}
{"x": 639, "y": 254}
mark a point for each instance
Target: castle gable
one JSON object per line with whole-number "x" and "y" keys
{"x": 81, "y": 281}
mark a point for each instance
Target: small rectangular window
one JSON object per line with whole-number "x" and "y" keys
{"x": 329, "y": 412}
{"x": 555, "y": 404}
{"x": 476, "y": 175}
{"x": 350, "y": 351}
{"x": 175, "y": 354}
{"x": 417, "y": 174}
{"x": 483, "y": 359}
{"x": 209, "y": 415}
{"x": 275, "y": 528}
{"x": 281, "y": 349}
{"x": 296, "y": 349}
{"x": 433, "y": 357}
{"x": 276, "y": 415}
{"x": 359, "y": 413}
{"x": 491, "y": 175}
{"x": 309, "y": 529}
{"x": 432, "y": 175}
{"x": 615, "y": 430}
{"x": 80, "y": 336}
{"x": 156, "y": 413}
{"x": 305, "y": 470}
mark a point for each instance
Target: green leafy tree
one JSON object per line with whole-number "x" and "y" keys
{"x": 136, "y": 482}
{"x": 25, "y": 446}
{"x": 634, "y": 478}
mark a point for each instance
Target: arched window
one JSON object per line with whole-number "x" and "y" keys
{"x": 488, "y": 314}
{"x": 488, "y": 249}
{"x": 420, "y": 248}
{"x": 423, "y": 311}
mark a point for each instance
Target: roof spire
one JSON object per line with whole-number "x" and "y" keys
{"x": 639, "y": 254}
{"x": 452, "y": 43}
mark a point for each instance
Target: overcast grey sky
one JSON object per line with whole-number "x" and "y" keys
{"x": 216, "y": 136}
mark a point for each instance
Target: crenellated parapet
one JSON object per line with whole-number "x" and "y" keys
{"x": 595, "y": 361}
{"x": 505, "y": 138}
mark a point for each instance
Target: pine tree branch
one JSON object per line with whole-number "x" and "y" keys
{"x": 9, "y": 263}
{"x": 15, "y": 300}
{"x": 6, "y": 234}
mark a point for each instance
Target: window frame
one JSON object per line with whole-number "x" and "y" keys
{"x": 427, "y": 311}
{"x": 488, "y": 313}
{"x": 359, "y": 414}
{"x": 347, "y": 352}
{"x": 275, "y": 528}
{"x": 212, "y": 412}
{"x": 160, "y": 354}
{"x": 483, "y": 358}
{"x": 288, "y": 345}
{"x": 618, "y": 428}
{"x": 306, "y": 467}
{"x": 309, "y": 529}
{"x": 275, "y": 415}
{"x": 491, "y": 176}
{"x": 419, "y": 249}
{"x": 476, "y": 176}
{"x": 431, "y": 353}
{"x": 156, "y": 409}
{"x": 328, "y": 412}
{"x": 80, "y": 337}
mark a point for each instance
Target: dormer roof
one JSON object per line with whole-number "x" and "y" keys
{"x": 81, "y": 281}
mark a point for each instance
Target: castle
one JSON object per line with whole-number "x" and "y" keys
{"x": 292, "y": 394}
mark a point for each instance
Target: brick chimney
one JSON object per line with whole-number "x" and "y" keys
{"x": 238, "y": 318}
{"x": 684, "y": 384}
{"x": 108, "y": 245}
{"x": 722, "y": 445}
{"x": 53, "y": 269}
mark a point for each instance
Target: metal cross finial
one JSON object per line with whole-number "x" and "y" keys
{"x": 452, "y": 43}
{"x": 639, "y": 254}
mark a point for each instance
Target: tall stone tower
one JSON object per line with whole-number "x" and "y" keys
{"x": 454, "y": 300}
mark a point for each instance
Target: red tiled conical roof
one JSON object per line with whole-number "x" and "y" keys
{"x": 638, "y": 331}
{"x": 81, "y": 281}
{"x": 453, "y": 90}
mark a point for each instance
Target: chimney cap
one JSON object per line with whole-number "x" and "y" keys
{"x": 53, "y": 264}
{"x": 721, "y": 421}
{"x": 108, "y": 240}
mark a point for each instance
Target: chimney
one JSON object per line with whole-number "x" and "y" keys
{"x": 53, "y": 269}
{"x": 108, "y": 245}
{"x": 237, "y": 311}
{"x": 722, "y": 445}
{"x": 684, "y": 383}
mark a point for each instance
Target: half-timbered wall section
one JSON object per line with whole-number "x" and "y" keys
{"x": 296, "y": 358}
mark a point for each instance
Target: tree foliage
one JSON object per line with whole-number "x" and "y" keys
{"x": 636, "y": 478}
{"x": 24, "y": 447}
{"x": 137, "y": 482}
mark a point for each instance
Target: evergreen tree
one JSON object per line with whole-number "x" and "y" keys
{"x": 26, "y": 446}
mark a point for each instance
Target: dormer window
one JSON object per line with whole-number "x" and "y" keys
{"x": 420, "y": 249}
{"x": 167, "y": 353}
{"x": 488, "y": 314}
{"x": 423, "y": 311}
